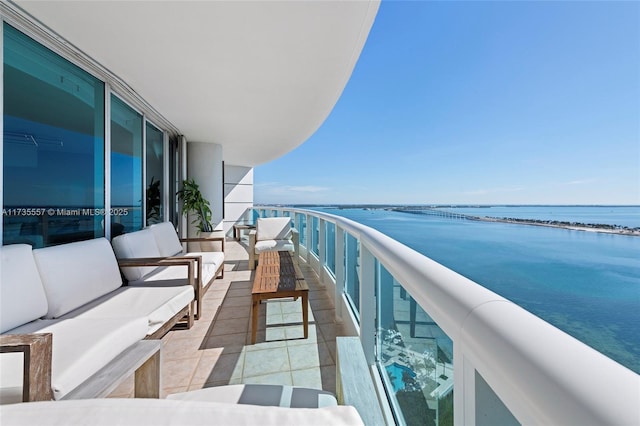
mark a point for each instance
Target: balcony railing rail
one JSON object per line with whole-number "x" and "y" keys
{"x": 540, "y": 374}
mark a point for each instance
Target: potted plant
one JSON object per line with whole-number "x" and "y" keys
{"x": 153, "y": 202}
{"x": 193, "y": 202}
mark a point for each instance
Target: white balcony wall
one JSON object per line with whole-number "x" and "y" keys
{"x": 238, "y": 195}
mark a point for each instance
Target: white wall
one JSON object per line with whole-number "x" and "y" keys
{"x": 238, "y": 195}
{"x": 204, "y": 165}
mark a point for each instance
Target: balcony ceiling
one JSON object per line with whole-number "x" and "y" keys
{"x": 259, "y": 78}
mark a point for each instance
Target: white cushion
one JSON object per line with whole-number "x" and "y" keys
{"x": 273, "y": 228}
{"x": 134, "y": 245}
{"x": 259, "y": 394}
{"x": 166, "y": 238}
{"x": 158, "y": 304}
{"x": 211, "y": 262}
{"x": 76, "y": 273}
{"x": 22, "y": 296}
{"x": 164, "y": 412}
{"x": 274, "y": 245}
{"x": 80, "y": 348}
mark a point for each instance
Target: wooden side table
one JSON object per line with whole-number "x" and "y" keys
{"x": 237, "y": 230}
{"x": 277, "y": 276}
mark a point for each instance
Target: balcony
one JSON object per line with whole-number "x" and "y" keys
{"x": 439, "y": 348}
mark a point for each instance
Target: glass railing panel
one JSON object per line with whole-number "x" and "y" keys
{"x": 301, "y": 220}
{"x": 330, "y": 247}
{"x": 255, "y": 214}
{"x": 315, "y": 231}
{"x": 352, "y": 272}
{"x": 414, "y": 356}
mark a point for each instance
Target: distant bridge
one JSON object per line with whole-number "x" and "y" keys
{"x": 437, "y": 212}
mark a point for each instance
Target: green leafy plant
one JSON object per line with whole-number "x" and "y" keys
{"x": 195, "y": 203}
{"x": 153, "y": 201}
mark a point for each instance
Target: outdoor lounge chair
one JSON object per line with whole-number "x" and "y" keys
{"x": 273, "y": 234}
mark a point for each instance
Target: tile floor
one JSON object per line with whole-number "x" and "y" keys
{"x": 217, "y": 350}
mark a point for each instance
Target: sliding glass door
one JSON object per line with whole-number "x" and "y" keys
{"x": 53, "y": 145}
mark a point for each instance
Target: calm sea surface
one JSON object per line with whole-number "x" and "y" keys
{"x": 585, "y": 283}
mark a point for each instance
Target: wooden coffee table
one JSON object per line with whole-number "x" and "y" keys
{"x": 278, "y": 276}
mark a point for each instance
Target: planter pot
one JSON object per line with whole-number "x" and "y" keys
{"x": 211, "y": 245}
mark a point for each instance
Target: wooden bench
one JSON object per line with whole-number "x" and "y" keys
{"x": 278, "y": 276}
{"x": 354, "y": 384}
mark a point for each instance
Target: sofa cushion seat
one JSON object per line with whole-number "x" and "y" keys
{"x": 80, "y": 348}
{"x": 136, "y": 245}
{"x": 274, "y": 245}
{"x": 211, "y": 262}
{"x": 23, "y": 298}
{"x": 166, "y": 238}
{"x": 157, "y": 303}
{"x": 273, "y": 228}
{"x": 76, "y": 273}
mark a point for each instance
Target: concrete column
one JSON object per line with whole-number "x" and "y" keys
{"x": 238, "y": 196}
{"x": 204, "y": 165}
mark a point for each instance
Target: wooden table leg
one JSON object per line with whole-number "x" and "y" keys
{"x": 305, "y": 313}
{"x": 254, "y": 319}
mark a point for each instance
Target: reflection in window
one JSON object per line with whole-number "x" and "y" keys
{"x": 126, "y": 168}
{"x": 154, "y": 174}
{"x": 414, "y": 356}
{"x": 352, "y": 272}
{"x": 53, "y": 146}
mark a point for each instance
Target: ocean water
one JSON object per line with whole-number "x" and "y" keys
{"x": 585, "y": 283}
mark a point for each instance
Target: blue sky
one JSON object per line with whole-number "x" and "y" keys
{"x": 483, "y": 103}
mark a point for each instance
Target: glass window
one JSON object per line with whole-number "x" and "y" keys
{"x": 330, "y": 247}
{"x": 302, "y": 228}
{"x": 352, "y": 272}
{"x": 154, "y": 173}
{"x": 315, "y": 231}
{"x": 53, "y": 146}
{"x": 414, "y": 355}
{"x": 126, "y": 168}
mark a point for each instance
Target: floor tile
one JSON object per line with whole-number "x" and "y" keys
{"x": 268, "y": 361}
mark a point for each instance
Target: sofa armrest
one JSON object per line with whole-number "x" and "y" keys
{"x": 295, "y": 238}
{"x": 188, "y": 261}
{"x": 36, "y": 350}
{"x": 252, "y": 249}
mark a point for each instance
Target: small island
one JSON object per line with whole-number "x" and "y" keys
{"x": 575, "y": 226}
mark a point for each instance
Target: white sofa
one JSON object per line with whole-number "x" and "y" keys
{"x": 160, "y": 241}
{"x": 273, "y": 234}
{"x": 74, "y": 291}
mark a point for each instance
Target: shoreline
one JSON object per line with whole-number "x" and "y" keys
{"x": 577, "y": 227}
{"x": 572, "y": 226}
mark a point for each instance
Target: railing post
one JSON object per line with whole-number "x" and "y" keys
{"x": 340, "y": 275}
{"x": 464, "y": 386}
{"x": 309, "y": 231}
{"x": 367, "y": 303}
{"x": 322, "y": 244}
